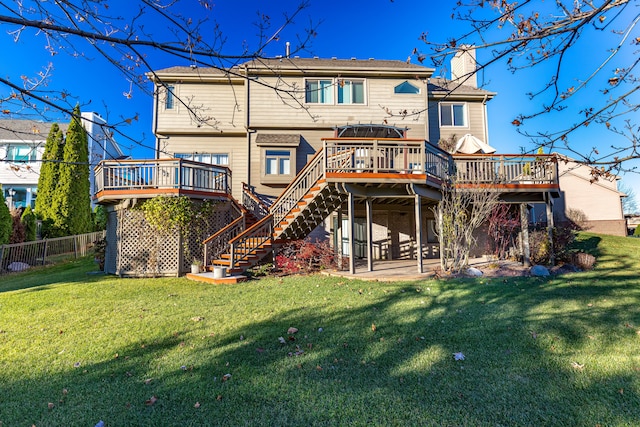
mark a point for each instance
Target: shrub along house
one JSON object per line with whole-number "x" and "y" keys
{"x": 346, "y": 149}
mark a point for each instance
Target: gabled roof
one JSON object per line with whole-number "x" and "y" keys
{"x": 438, "y": 87}
{"x": 25, "y": 130}
{"x": 333, "y": 65}
{"x": 305, "y": 66}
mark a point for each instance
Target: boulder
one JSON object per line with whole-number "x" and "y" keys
{"x": 473, "y": 272}
{"x": 18, "y": 266}
{"x": 539, "y": 271}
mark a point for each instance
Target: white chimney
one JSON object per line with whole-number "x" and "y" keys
{"x": 464, "y": 65}
{"x": 287, "y": 49}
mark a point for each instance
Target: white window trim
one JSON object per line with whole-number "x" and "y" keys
{"x": 393, "y": 90}
{"x": 335, "y": 82}
{"x": 165, "y": 95}
{"x": 192, "y": 155}
{"x": 278, "y": 178}
{"x": 465, "y": 112}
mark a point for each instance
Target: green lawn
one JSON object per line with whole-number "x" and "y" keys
{"x": 77, "y": 348}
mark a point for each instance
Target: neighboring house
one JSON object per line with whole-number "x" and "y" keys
{"x": 589, "y": 203}
{"x": 22, "y": 145}
{"x": 346, "y": 148}
{"x": 633, "y": 221}
{"x": 101, "y": 144}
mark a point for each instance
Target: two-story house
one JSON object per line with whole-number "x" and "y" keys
{"x": 347, "y": 149}
{"x": 22, "y": 145}
{"x": 265, "y": 118}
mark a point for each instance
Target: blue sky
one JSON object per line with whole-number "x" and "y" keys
{"x": 381, "y": 29}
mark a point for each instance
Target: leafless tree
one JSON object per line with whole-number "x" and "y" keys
{"x": 130, "y": 37}
{"x": 550, "y": 39}
{"x": 460, "y": 213}
{"x": 629, "y": 203}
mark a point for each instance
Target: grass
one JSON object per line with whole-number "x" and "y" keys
{"x": 77, "y": 348}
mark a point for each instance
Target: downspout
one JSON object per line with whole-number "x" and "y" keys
{"x": 486, "y": 122}
{"x": 247, "y": 123}
{"x": 155, "y": 119}
{"x": 426, "y": 110}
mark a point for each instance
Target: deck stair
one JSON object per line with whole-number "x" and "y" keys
{"x": 303, "y": 205}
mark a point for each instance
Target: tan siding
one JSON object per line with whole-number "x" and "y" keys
{"x": 234, "y": 146}
{"x": 221, "y": 105}
{"x": 283, "y": 110}
{"x": 309, "y": 144}
{"x": 474, "y": 125}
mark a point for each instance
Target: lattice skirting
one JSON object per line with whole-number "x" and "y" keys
{"x": 135, "y": 249}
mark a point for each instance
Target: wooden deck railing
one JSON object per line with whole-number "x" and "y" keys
{"x": 161, "y": 174}
{"x": 506, "y": 169}
{"x": 407, "y": 156}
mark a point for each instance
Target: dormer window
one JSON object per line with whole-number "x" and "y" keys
{"x": 406, "y": 87}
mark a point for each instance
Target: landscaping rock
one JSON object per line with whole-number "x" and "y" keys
{"x": 539, "y": 271}
{"x": 474, "y": 272}
{"x": 18, "y": 266}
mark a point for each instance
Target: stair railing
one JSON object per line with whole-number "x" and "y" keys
{"x": 218, "y": 243}
{"x": 303, "y": 182}
{"x": 252, "y": 202}
{"x": 250, "y": 240}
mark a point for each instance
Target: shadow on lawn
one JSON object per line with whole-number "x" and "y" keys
{"x": 519, "y": 337}
{"x": 38, "y": 278}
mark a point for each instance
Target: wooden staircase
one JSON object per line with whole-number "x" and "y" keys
{"x": 301, "y": 207}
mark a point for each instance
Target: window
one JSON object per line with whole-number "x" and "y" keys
{"x": 452, "y": 114}
{"x": 21, "y": 153}
{"x": 169, "y": 100}
{"x": 278, "y": 157}
{"x": 277, "y": 162}
{"x": 209, "y": 158}
{"x": 350, "y": 92}
{"x": 406, "y": 87}
{"x": 319, "y": 91}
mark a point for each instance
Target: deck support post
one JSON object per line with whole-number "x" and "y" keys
{"x": 524, "y": 225}
{"x": 550, "y": 225}
{"x": 418, "y": 209}
{"x": 368, "y": 204}
{"x": 338, "y": 244}
{"x": 352, "y": 241}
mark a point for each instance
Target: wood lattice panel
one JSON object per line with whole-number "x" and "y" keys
{"x": 203, "y": 227}
{"x": 111, "y": 254}
{"x": 135, "y": 249}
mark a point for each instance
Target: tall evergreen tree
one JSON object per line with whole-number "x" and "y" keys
{"x": 6, "y": 222}
{"x": 72, "y": 202}
{"x": 49, "y": 171}
{"x": 30, "y": 226}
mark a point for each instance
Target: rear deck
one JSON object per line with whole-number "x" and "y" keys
{"x": 346, "y": 174}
